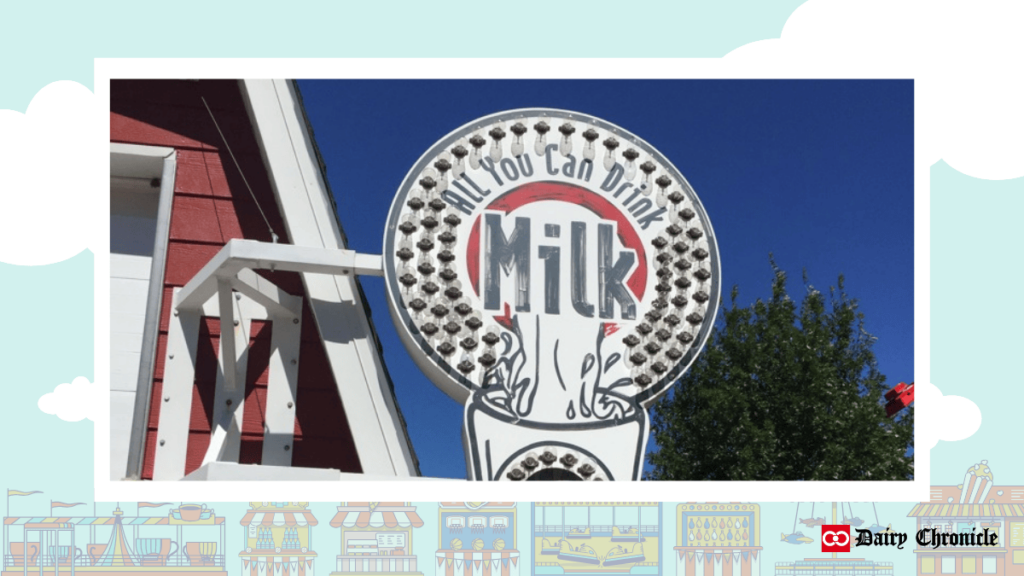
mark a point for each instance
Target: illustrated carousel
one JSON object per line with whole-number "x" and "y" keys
{"x": 185, "y": 541}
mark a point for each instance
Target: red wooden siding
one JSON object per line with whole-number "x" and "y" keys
{"x": 211, "y": 206}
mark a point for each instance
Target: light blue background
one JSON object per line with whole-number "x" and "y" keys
{"x": 776, "y": 518}
{"x": 46, "y": 312}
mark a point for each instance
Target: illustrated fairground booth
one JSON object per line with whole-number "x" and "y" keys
{"x": 189, "y": 539}
{"x": 718, "y": 538}
{"x": 278, "y": 539}
{"x": 376, "y": 537}
{"x": 477, "y": 539}
{"x": 975, "y": 506}
{"x": 596, "y": 538}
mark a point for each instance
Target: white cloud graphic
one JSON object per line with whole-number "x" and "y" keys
{"x": 965, "y": 58}
{"x": 948, "y": 418}
{"x": 48, "y": 169}
{"x": 75, "y": 401}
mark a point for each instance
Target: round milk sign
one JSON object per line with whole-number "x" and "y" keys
{"x": 556, "y": 273}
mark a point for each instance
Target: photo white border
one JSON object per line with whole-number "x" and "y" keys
{"x": 450, "y": 490}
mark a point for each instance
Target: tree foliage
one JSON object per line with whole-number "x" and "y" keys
{"x": 783, "y": 392}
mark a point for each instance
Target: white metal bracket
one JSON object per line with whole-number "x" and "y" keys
{"x": 241, "y": 296}
{"x": 240, "y": 254}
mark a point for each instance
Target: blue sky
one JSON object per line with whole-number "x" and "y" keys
{"x": 819, "y": 173}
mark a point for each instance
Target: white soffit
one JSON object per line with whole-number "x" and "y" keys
{"x": 137, "y": 161}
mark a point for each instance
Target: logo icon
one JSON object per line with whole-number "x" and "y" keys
{"x": 835, "y": 537}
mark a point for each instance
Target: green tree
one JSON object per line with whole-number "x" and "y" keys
{"x": 783, "y": 393}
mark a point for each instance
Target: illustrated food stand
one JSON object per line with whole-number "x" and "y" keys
{"x": 975, "y": 505}
{"x": 719, "y": 538}
{"x": 116, "y": 545}
{"x": 477, "y": 539}
{"x": 278, "y": 539}
{"x": 376, "y": 537}
{"x": 596, "y": 538}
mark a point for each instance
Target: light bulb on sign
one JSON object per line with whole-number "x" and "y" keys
{"x": 647, "y": 168}
{"x": 477, "y": 142}
{"x": 661, "y": 198}
{"x": 610, "y": 144}
{"x": 589, "y": 135}
{"x": 630, "y": 169}
{"x": 443, "y": 165}
{"x": 565, "y": 144}
{"x": 459, "y": 153}
{"x": 517, "y": 129}
{"x": 496, "y": 134}
{"x": 663, "y": 182}
{"x": 540, "y": 144}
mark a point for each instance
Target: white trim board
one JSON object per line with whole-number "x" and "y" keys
{"x": 127, "y": 432}
{"x": 308, "y": 214}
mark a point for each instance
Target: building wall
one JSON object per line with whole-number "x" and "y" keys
{"x": 963, "y": 563}
{"x": 211, "y": 206}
